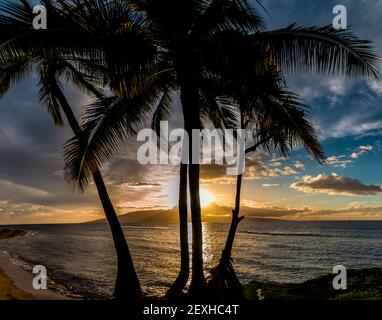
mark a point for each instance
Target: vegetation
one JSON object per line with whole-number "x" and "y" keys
{"x": 142, "y": 52}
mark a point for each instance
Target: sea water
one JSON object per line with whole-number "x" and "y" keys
{"x": 81, "y": 260}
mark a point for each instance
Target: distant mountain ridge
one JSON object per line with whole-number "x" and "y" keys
{"x": 211, "y": 213}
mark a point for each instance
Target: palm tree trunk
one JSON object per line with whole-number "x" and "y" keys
{"x": 182, "y": 279}
{"x": 223, "y": 280}
{"x": 236, "y": 218}
{"x": 190, "y": 106}
{"x": 226, "y": 254}
{"x": 127, "y": 284}
{"x": 198, "y": 284}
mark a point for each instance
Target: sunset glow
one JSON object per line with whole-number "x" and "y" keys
{"x": 205, "y": 197}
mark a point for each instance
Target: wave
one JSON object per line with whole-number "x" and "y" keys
{"x": 9, "y": 234}
{"x": 54, "y": 284}
{"x": 292, "y": 234}
{"x": 31, "y": 233}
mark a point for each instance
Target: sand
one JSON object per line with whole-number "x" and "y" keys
{"x": 8, "y": 290}
{"x": 15, "y": 282}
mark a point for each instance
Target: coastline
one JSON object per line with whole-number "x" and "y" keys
{"x": 363, "y": 284}
{"x": 15, "y": 282}
{"x": 9, "y": 291}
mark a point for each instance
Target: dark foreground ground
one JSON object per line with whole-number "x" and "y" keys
{"x": 363, "y": 284}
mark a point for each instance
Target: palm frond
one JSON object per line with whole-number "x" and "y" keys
{"x": 48, "y": 86}
{"x": 13, "y": 71}
{"x": 283, "y": 124}
{"x": 318, "y": 49}
{"x": 163, "y": 110}
{"x": 222, "y": 15}
{"x": 108, "y": 123}
{"x": 86, "y": 82}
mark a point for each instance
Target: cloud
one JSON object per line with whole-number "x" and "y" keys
{"x": 257, "y": 209}
{"x": 338, "y": 161}
{"x": 257, "y": 166}
{"x": 288, "y": 171}
{"x": 9, "y": 189}
{"x": 270, "y": 185}
{"x": 361, "y": 151}
{"x": 298, "y": 164}
{"x": 365, "y": 148}
{"x": 141, "y": 185}
{"x": 357, "y": 123}
{"x": 352, "y": 211}
{"x": 25, "y": 213}
{"x": 335, "y": 185}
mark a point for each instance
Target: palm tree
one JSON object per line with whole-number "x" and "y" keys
{"x": 149, "y": 49}
{"x": 51, "y": 66}
{"x": 277, "y": 121}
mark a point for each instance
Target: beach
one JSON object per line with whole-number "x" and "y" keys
{"x": 16, "y": 283}
{"x": 8, "y": 290}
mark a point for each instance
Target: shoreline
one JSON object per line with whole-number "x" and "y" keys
{"x": 363, "y": 284}
{"x": 15, "y": 282}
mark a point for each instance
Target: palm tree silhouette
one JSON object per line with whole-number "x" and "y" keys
{"x": 51, "y": 66}
{"x": 277, "y": 121}
{"x": 146, "y": 50}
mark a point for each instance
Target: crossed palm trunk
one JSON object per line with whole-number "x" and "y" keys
{"x": 127, "y": 285}
{"x": 223, "y": 276}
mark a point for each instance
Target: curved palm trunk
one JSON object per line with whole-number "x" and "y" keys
{"x": 236, "y": 218}
{"x": 190, "y": 106}
{"x": 223, "y": 276}
{"x": 182, "y": 279}
{"x": 223, "y": 280}
{"x": 127, "y": 284}
{"x": 226, "y": 254}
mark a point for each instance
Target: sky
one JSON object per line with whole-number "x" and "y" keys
{"x": 346, "y": 112}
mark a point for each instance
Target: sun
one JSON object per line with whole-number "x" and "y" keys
{"x": 205, "y": 197}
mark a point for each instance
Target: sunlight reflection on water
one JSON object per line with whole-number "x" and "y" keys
{"x": 83, "y": 255}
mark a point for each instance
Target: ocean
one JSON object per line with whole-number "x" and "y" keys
{"x": 81, "y": 261}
